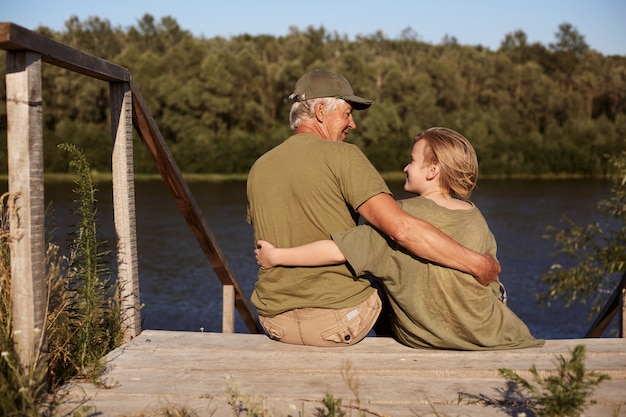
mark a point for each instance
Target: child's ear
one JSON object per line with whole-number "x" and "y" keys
{"x": 433, "y": 171}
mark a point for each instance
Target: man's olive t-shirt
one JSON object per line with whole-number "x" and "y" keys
{"x": 299, "y": 192}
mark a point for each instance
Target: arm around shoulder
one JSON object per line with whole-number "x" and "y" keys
{"x": 426, "y": 241}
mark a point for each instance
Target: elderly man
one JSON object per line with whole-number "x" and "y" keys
{"x": 315, "y": 184}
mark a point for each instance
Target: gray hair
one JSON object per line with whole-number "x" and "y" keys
{"x": 304, "y": 110}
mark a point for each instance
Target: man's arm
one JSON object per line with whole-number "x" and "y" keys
{"x": 426, "y": 241}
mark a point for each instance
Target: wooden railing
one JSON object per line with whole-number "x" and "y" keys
{"x": 614, "y": 304}
{"x": 26, "y": 51}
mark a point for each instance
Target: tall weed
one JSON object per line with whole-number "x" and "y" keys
{"x": 84, "y": 324}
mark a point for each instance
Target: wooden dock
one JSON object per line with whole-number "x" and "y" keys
{"x": 376, "y": 377}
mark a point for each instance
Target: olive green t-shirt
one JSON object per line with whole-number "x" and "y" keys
{"x": 301, "y": 191}
{"x": 434, "y": 306}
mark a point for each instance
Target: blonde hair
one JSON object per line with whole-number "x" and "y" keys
{"x": 458, "y": 163}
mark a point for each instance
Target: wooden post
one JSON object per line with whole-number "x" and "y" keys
{"x": 228, "y": 309}
{"x": 25, "y": 163}
{"x": 124, "y": 207}
{"x": 622, "y": 327}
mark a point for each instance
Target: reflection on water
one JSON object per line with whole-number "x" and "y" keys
{"x": 181, "y": 292}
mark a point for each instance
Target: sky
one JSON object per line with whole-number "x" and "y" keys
{"x": 471, "y": 22}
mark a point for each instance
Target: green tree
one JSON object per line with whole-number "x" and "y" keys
{"x": 528, "y": 108}
{"x": 94, "y": 36}
{"x": 515, "y": 45}
{"x": 569, "y": 48}
{"x": 570, "y": 41}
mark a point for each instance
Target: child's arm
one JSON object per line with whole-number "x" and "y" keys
{"x": 321, "y": 252}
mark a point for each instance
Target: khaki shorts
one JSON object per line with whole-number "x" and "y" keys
{"x": 322, "y": 326}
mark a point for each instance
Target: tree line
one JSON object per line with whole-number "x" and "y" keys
{"x": 528, "y": 109}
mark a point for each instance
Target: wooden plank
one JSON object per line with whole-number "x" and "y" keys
{"x": 197, "y": 370}
{"x": 228, "y": 307}
{"x": 460, "y": 397}
{"x": 14, "y": 37}
{"x": 373, "y": 387}
{"x": 124, "y": 207}
{"x": 152, "y": 138}
{"x": 212, "y": 407}
{"x": 271, "y": 357}
{"x": 25, "y": 164}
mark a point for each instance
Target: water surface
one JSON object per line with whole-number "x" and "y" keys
{"x": 181, "y": 292}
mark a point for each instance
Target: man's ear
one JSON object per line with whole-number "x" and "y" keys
{"x": 433, "y": 171}
{"x": 320, "y": 111}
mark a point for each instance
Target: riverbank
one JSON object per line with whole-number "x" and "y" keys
{"x": 216, "y": 177}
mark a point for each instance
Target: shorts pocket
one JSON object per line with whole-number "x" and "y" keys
{"x": 344, "y": 332}
{"x": 273, "y": 330}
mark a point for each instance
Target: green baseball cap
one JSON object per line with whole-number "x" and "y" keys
{"x": 320, "y": 83}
